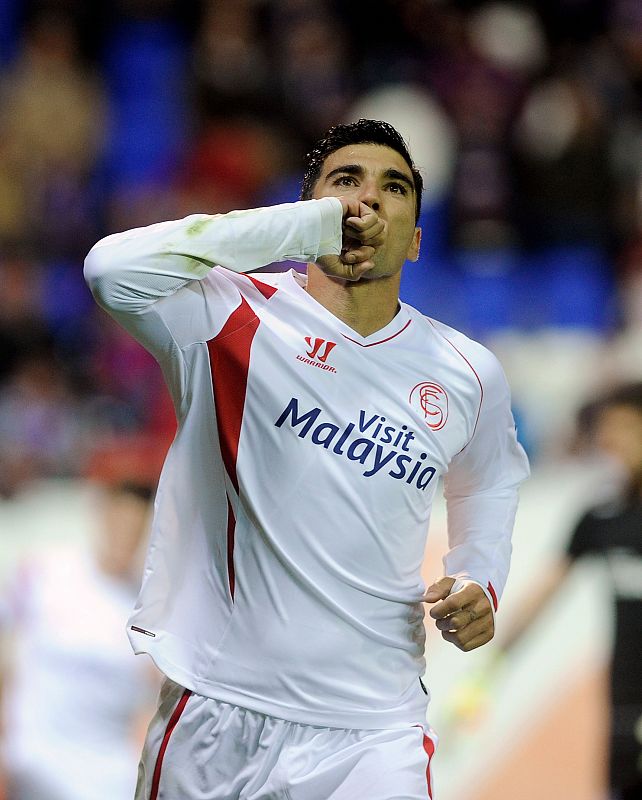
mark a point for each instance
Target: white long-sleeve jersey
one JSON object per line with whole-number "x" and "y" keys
{"x": 283, "y": 573}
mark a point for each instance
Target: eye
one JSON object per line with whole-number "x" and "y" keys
{"x": 345, "y": 180}
{"x": 397, "y": 188}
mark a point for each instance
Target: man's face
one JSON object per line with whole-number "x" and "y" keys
{"x": 379, "y": 177}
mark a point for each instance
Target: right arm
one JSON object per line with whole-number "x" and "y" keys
{"x": 151, "y": 280}
{"x": 137, "y": 275}
{"x": 129, "y": 273}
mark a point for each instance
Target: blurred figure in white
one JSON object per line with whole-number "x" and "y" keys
{"x": 75, "y": 701}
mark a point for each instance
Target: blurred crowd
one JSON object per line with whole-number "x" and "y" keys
{"x": 525, "y": 118}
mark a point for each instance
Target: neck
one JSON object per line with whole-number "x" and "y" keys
{"x": 366, "y": 306}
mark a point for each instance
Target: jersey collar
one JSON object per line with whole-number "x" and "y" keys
{"x": 294, "y": 284}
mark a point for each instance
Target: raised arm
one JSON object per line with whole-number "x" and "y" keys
{"x": 130, "y": 272}
{"x": 150, "y": 279}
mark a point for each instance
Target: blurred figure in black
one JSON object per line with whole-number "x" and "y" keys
{"x": 612, "y": 531}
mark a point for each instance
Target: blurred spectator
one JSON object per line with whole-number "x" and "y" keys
{"x": 612, "y": 532}
{"x": 312, "y": 63}
{"x": 50, "y": 135}
{"x": 230, "y": 60}
{"x": 481, "y": 89}
{"x": 22, "y": 327}
{"x": 231, "y": 162}
{"x": 41, "y": 424}
{"x": 562, "y": 177}
{"x": 75, "y": 702}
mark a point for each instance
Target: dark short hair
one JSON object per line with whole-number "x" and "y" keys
{"x": 629, "y": 394}
{"x": 365, "y": 131}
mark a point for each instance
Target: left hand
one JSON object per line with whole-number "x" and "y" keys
{"x": 465, "y": 617}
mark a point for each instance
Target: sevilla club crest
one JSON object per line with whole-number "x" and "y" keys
{"x": 431, "y": 400}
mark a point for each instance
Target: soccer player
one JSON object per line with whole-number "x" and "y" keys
{"x": 611, "y": 532}
{"x": 282, "y": 595}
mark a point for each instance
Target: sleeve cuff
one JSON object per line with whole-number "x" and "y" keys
{"x": 331, "y": 226}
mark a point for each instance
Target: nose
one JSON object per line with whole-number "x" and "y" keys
{"x": 370, "y": 195}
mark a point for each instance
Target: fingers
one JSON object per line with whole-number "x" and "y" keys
{"x": 439, "y": 590}
{"x": 469, "y": 595}
{"x": 468, "y": 635}
{"x": 369, "y": 229}
{"x": 350, "y": 266}
{"x": 358, "y": 255}
{"x": 472, "y": 636}
{"x": 351, "y": 206}
{"x": 479, "y": 631}
{"x": 356, "y": 270}
{"x": 465, "y": 617}
{"x": 363, "y": 233}
{"x": 369, "y": 221}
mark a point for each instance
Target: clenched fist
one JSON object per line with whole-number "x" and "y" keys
{"x": 363, "y": 233}
{"x": 464, "y": 617}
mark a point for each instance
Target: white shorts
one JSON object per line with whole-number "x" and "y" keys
{"x": 203, "y": 749}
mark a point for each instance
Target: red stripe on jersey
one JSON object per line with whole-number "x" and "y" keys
{"x": 481, "y": 388}
{"x": 168, "y": 732}
{"x": 372, "y": 344}
{"x": 231, "y": 527}
{"x": 266, "y": 290}
{"x": 493, "y": 594}
{"x": 429, "y": 747}
{"x": 229, "y": 363}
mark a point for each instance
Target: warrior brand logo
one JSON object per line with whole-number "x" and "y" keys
{"x": 363, "y": 442}
{"x": 431, "y": 399}
{"x": 315, "y": 349}
{"x": 318, "y": 353}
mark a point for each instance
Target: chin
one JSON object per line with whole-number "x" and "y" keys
{"x": 378, "y": 273}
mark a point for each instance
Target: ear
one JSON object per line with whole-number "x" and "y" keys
{"x": 415, "y": 245}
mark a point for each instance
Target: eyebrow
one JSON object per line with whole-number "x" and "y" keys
{"x": 357, "y": 169}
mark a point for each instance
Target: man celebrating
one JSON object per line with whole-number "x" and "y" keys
{"x": 282, "y": 595}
